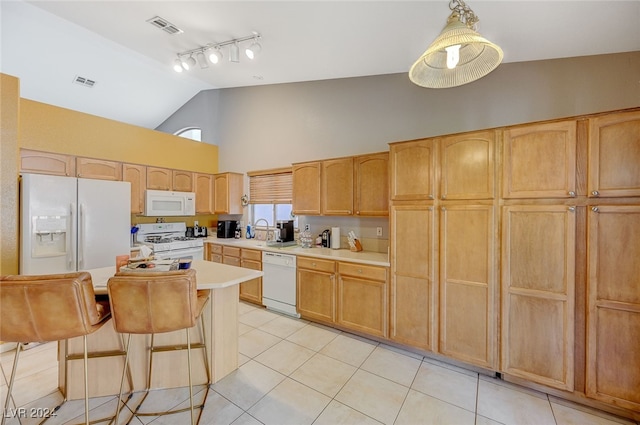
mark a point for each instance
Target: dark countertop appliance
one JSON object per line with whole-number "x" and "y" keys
{"x": 227, "y": 229}
{"x": 326, "y": 238}
{"x": 286, "y": 231}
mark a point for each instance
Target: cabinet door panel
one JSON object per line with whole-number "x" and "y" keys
{"x": 613, "y": 319}
{"x": 316, "y": 295}
{"x": 413, "y": 292}
{"x": 468, "y": 166}
{"x": 306, "y": 188}
{"x": 538, "y": 294}
{"x": 204, "y": 190}
{"x": 362, "y": 305}
{"x": 614, "y": 155}
{"x": 372, "y": 185}
{"x": 468, "y": 317}
{"x": 251, "y": 290}
{"x": 182, "y": 181}
{"x": 540, "y": 161}
{"x": 412, "y": 167}
{"x": 47, "y": 163}
{"x": 90, "y": 168}
{"x": 159, "y": 178}
{"x": 337, "y": 186}
{"x": 137, "y": 176}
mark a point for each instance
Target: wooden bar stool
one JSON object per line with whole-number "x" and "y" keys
{"x": 48, "y": 308}
{"x": 158, "y": 302}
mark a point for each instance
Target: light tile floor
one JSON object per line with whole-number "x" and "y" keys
{"x": 295, "y": 372}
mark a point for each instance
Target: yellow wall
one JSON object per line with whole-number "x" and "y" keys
{"x": 53, "y": 129}
{"x": 9, "y": 127}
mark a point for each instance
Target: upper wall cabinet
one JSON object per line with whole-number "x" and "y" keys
{"x": 182, "y": 181}
{"x": 372, "y": 184}
{"x": 159, "y": 178}
{"x": 540, "y": 161}
{"x": 137, "y": 176}
{"x": 468, "y": 168}
{"x": 337, "y": 186}
{"x": 90, "y": 168}
{"x": 47, "y": 163}
{"x": 228, "y": 193}
{"x": 614, "y": 155}
{"x": 204, "y": 193}
{"x": 412, "y": 170}
{"x": 306, "y": 188}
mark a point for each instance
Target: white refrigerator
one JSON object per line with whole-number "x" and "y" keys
{"x": 69, "y": 224}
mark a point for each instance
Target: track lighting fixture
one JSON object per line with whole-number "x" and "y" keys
{"x": 212, "y": 53}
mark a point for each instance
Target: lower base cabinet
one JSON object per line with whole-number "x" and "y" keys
{"x": 316, "y": 289}
{"x": 251, "y": 290}
{"x": 362, "y": 298}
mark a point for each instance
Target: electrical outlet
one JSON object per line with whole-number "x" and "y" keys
{"x": 306, "y": 227}
{"x": 378, "y": 231}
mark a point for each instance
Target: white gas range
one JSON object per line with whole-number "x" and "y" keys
{"x": 168, "y": 241}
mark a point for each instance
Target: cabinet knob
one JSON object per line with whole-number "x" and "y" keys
{"x": 443, "y": 208}
{"x": 313, "y": 264}
{"x": 572, "y": 209}
{"x": 360, "y": 271}
{"x": 595, "y": 209}
{"x": 357, "y": 212}
{"x": 572, "y": 194}
{"x": 595, "y": 193}
{"x": 430, "y": 196}
{"x": 444, "y": 196}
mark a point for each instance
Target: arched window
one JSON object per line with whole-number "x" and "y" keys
{"x": 192, "y": 133}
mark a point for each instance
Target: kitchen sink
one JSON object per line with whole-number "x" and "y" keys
{"x": 272, "y": 244}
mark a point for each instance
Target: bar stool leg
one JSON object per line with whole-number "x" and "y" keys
{"x": 13, "y": 375}
{"x": 124, "y": 370}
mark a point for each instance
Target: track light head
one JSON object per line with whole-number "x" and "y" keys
{"x": 234, "y": 52}
{"x": 215, "y": 55}
{"x": 202, "y": 60}
{"x": 253, "y": 50}
{"x": 177, "y": 65}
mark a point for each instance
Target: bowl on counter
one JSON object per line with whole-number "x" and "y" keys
{"x": 184, "y": 264}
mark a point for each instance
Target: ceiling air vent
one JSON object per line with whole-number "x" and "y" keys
{"x": 84, "y": 81}
{"x": 164, "y": 25}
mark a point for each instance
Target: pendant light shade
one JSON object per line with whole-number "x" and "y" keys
{"x": 459, "y": 55}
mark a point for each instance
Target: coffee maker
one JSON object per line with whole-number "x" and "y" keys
{"x": 227, "y": 229}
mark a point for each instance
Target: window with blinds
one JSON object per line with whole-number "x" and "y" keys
{"x": 271, "y": 186}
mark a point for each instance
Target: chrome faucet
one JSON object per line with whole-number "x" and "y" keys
{"x": 255, "y": 224}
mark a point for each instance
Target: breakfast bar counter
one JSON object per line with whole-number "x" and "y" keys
{"x": 169, "y": 368}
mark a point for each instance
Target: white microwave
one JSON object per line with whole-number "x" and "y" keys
{"x": 165, "y": 203}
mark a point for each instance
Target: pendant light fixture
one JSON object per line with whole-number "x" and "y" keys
{"x": 459, "y": 55}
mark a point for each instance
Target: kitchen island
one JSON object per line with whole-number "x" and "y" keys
{"x": 169, "y": 368}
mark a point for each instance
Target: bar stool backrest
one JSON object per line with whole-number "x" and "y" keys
{"x": 48, "y": 307}
{"x": 153, "y": 302}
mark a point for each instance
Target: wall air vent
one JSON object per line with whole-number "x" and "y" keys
{"x": 164, "y": 25}
{"x": 84, "y": 81}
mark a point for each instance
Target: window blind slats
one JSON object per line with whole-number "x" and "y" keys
{"x": 271, "y": 188}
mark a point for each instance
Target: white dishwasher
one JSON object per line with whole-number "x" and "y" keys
{"x": 279, "y": 282}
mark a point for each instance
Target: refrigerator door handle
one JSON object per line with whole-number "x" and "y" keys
{"x": 81, "y": 232}
{"x": 71, "y": 255}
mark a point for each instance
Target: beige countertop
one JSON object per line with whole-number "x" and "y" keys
{"x": 362, "y": 257}
{"x": 209, "y": 275}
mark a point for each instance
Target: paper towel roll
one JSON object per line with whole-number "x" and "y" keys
{"x": 335, "y": 238}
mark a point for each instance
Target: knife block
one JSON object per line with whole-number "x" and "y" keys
{"x": 357, "y": 247}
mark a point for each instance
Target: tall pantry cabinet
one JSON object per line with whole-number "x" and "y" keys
{"x": 613, "y": 249}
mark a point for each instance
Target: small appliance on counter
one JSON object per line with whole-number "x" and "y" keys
{"x": 285, "y": 231}
{"x": 326, "y": 238}
{"x": 190, "y": 233}
{"x": 200, "y": 231}
{"x": 227, "y": 229}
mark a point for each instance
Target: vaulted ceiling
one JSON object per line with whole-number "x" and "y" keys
{"x": 48, "y": 44}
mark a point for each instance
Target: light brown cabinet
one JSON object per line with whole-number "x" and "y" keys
{"x": 363, "y": 298}
{"x": 371, "y": 184}
{"x": 159, "y": 178}
{"x": 89, "y": 168}
{"x": 213, "y": 252}
{"x": 540, "y": 161}
{"x": 467, "y": 164}
{"x": 468, "y": 284}
{"x": 47, "y": 163}
{"x": 228, "y": 193}
{"x": 613, "y": 319}
{"x": 337, "y": 186}
{"x": 204, "y": 193}
{"x": 251, "y": 290}
{"x": 412, "y": 167}
{"x": 306, "y": 188}
{"x": 182, "y": 181}
{"x": 316, "y": 289}
{"x": 137, "y": 176}
{"x": 538, "y": 293}
{"x": 614, "y": 155}
{"x": 414, "y": 294}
